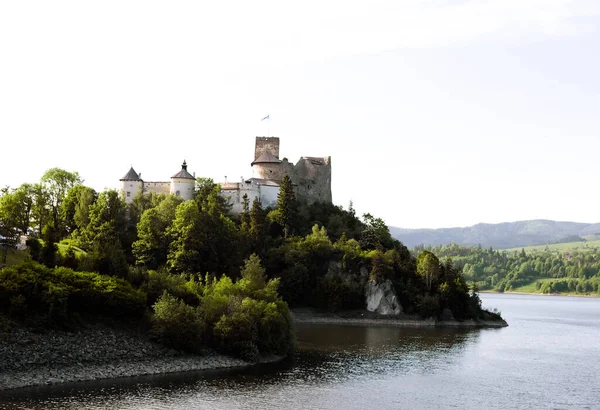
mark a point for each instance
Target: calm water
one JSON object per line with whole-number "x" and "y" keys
{"x": 549, "y": 357}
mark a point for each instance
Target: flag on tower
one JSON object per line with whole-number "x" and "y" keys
{"x": 266, "y": 118}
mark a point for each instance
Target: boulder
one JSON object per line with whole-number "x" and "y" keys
{"x": 381, "y": 298}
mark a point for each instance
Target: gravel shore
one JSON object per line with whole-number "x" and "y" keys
{"x": 28, "y": 358}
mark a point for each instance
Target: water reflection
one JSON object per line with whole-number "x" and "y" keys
{"x": 545, "y": 359}
{"x": 327, "y": 356}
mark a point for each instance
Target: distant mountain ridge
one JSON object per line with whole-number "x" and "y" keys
{"x": 499, "y": 236}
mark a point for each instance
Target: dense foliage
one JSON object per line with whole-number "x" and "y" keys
{"x": 57, "y": 294}
{"x": 200, "y": 270}
{"x": 545, "y": 271}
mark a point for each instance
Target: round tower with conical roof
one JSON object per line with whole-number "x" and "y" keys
{"x": 130, "y": 185}
{"x": 266, "y": 164}
{"x": 183, "y": 183}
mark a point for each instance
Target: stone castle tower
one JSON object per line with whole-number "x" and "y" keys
{"x": 311, "y": 176}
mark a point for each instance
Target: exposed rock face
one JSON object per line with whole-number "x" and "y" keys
{"x": 381, "y": 298}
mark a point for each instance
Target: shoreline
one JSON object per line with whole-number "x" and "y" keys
{"x": 540, "y": 294}
{"x": 29, "y": 358}
{"x": 48, "y": 375}
{"x": 305, "y": 316}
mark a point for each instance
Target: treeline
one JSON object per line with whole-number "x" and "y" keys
{"x": 575, "y": 272}
{"x": 227, "y": 280}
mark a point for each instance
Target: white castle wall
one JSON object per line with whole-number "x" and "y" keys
{"x": 235, "y": 191}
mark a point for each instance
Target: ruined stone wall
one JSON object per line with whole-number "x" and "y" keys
{"x": 270, "y": 144}
{"x": 312, "y": 179}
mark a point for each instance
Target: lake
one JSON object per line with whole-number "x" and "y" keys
{"x": 547, "y": 358}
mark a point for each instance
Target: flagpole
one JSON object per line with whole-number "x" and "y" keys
{"x": 268, "y": 118}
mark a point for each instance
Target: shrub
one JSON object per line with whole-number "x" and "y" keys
{"x": 176, "y": 324}
{"x": 35, "y": 248}
{"x": 160, "y": 281}
{"x": 247, "y": 318}
{"x": 60, "y": 292}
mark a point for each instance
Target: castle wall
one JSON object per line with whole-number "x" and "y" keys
{"x": 157, "y": 187}
{"x": 182, "y": 187}
{"x": 270, "y": 144}
{"x": 234, "y": 191}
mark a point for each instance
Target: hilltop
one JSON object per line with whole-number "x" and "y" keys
{"x": 499, "y": 236}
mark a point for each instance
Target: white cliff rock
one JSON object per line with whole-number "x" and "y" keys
{"x": 381, "y": 298}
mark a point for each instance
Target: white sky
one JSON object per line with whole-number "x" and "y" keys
{"x": 436, "y": 113}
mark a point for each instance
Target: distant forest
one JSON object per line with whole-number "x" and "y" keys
{"x": 549, "y": 269}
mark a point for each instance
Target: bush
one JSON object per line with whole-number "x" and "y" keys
{"x": 35, "y": 248}
{"x": 247, "y": 319}
{"x": 177, "y": 324}
{"x": 159, "y": 281}
{"x": 61, "y": 292}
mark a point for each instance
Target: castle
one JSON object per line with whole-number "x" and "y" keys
{"x": 310, "y": 176}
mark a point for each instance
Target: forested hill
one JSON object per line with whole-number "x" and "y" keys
{"x": 499, "y": 236}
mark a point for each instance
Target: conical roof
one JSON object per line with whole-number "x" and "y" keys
{"x": 184, "y": 172}
{"x": 266, "y": 157}
{"x": 131, "y": 175}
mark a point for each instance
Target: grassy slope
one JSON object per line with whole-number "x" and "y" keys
{"x": 582, "y": 246}
{"x": 530, "y": 288}
{"x": 591, "y": 244}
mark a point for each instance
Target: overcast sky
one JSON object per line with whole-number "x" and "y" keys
{"x": 435, "y": 113}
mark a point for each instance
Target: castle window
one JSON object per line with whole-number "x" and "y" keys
{"x": 128, "y": 194}
{"x": 177, "y": 193}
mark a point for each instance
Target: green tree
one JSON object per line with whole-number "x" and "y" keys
{"x": 209, "y": 199}
{"x": 203, "y": 242}
{"x": 105, "y": 234}
{"x": 16, "y": 208}
{"x": 75, "y": 208}
{"x": 152, "y": 247}
{"x": 56, "y": 182}
{"x": 257, "y": 224}
{"x": 376, "y": 227}
{"x": 286, "y": 212}
{"x": 245, "y": 215}
{"x": 428, "y": 268}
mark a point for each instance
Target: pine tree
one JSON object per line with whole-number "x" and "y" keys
{"x": 245, "y": 215}
{"x": 287, "y": 207}
{"x": 257, "y": 220}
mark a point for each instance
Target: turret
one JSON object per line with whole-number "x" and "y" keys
{"x": 183, "y": 183}
{"x": 266, "y": 164}
{"x": 131, "y": 184}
